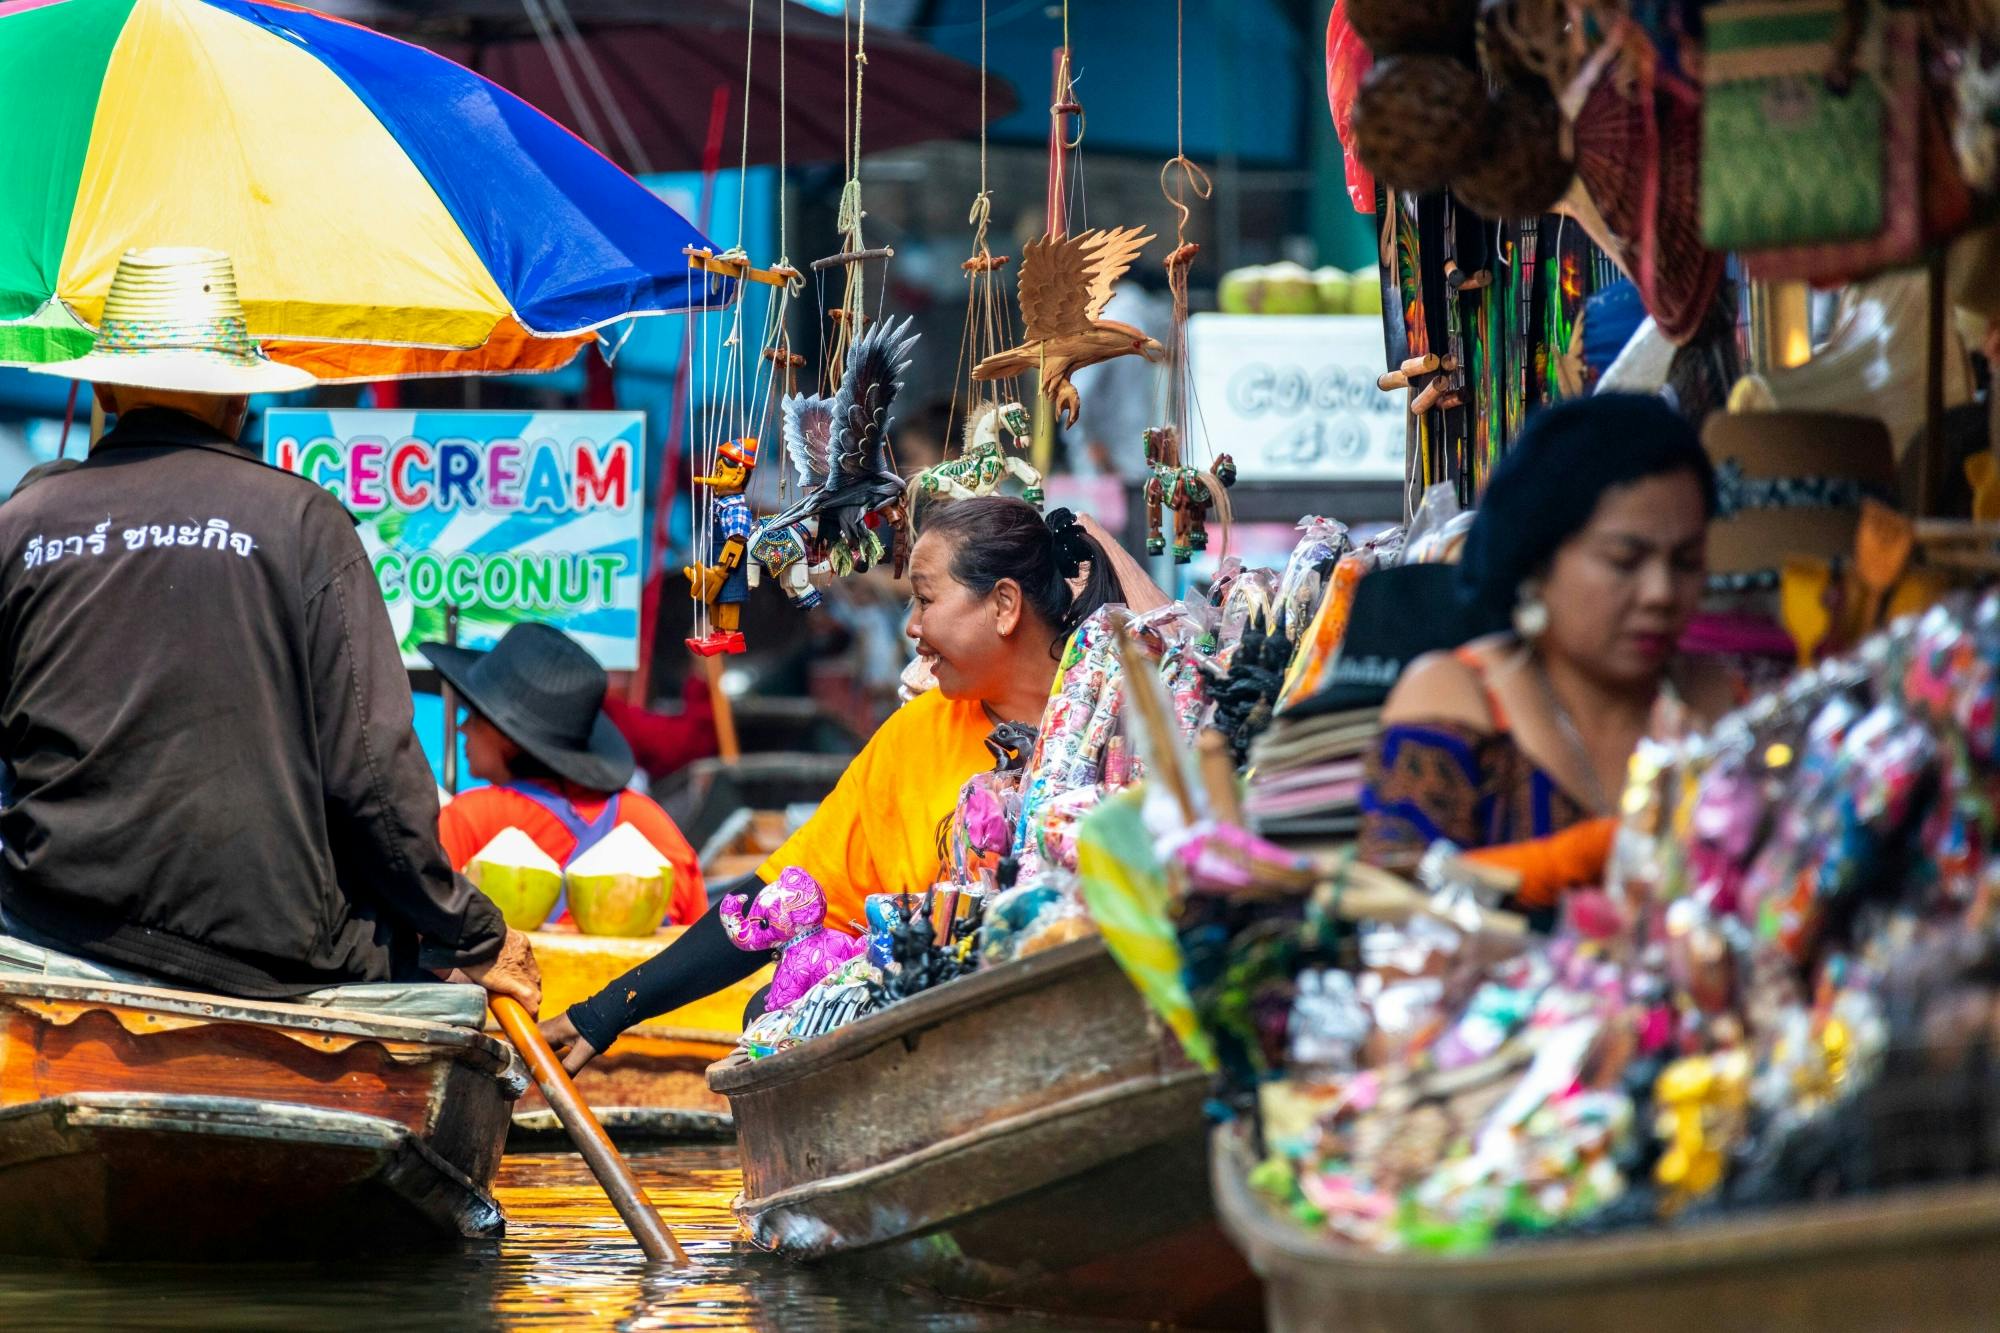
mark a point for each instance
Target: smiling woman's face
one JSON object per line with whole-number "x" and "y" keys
{"x": 964, "y": 633}
{"x": 1620, "y": 592}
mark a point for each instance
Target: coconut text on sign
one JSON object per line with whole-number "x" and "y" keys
{"x": 1294, "y": 398}
{"x": 505, "y": 516}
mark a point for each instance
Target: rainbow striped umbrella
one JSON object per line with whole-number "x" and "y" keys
{"x": 390, "y": 213}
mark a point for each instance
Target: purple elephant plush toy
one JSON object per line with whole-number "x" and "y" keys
{"x": 788, "y": 916}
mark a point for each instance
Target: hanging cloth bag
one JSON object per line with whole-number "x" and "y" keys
{"x": 1805, "y": 116}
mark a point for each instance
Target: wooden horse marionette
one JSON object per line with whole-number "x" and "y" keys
{"x": 1186, "y": 491}
{"x": 983, "y": 461}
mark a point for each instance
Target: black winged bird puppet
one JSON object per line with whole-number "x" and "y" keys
{"x": 839, "y": 448}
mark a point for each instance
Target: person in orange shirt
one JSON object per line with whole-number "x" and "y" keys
{"x": 998, "y": 591}
{"x": 535, "y": 728}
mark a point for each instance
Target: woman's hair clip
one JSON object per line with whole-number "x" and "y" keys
{"x": 1073, "y": 545}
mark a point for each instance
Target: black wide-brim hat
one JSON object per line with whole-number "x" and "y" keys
{"x": 1399, "y": 614}
{"x": 545, "y": 692}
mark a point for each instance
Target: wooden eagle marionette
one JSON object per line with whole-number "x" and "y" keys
{"x": 839, "y": 448}
{"x": 1065, "y": 281}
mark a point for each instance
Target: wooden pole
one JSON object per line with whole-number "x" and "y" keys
{"x": 1062, "y": 105}
{"x": 1931, "y": 467}
{"x": 620, "y": 1186}
{"x": 448, "y": 697}
{"x": 725, "y": 713}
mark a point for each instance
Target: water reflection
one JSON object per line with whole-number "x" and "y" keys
{"x": 567, "y": 1263}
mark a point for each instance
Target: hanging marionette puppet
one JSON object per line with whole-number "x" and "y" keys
{"x": 1187, "y": 492}
{"x": 983, "y": 461}
{"x": 1065, "y": 284}
{"x": 993, "y": 419}
{"x": 722, "y": 583}
{"x": 1171, "y": 483}
{"x": 839, "y": 448}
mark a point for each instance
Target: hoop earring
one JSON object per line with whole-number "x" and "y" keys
{"x": 1531, "y": 613}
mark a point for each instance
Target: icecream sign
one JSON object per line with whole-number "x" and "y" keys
{"x": 506, "y": 516}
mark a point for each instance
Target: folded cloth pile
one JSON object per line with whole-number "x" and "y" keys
{"x": 1307, "y": 775}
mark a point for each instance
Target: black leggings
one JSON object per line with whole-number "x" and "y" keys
{"x": 701, "y": 962}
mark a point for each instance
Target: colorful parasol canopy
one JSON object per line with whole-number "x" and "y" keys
{"x": 389, "y": 213}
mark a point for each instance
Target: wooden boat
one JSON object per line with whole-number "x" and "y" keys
{"x": 651, "y": 1085}
{"x": 1023, "y": 1136}
{"x": 1914, "y": 1259}
{"x": 138, "y": 1122}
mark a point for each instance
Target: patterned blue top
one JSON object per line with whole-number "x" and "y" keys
{"x": 1441, "y": 780}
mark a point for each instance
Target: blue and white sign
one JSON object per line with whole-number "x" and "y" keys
{"x": 505, "y": 516}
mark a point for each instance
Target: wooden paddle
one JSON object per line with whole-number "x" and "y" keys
{"x": 620, "y": 1186}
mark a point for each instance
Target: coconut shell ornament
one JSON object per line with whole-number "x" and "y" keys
{"x": 1403, "y": 27}
{"x": 1522, "y": 172}
{"x": 1419, "y": 121}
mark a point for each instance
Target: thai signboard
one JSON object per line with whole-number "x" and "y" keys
{"x": 1293, "y": 397}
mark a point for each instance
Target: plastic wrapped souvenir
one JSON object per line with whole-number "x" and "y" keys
{"x": 1010, "y": 915}
{"x": 840, "y": 997}
{"x": 981, "y": 831}
{"x": 1322, "y": 543}
{"x": 1328, "y": 628}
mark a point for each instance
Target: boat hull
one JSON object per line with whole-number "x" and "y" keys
{"x": 137, "y": 1177}
{"x": 1021, "y": 1137}
{"x": 173, "y": 1123}
{"x": 1916, "y": 1259}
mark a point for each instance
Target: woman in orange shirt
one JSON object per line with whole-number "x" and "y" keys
{"x": 536, "y": 730}
{"x": 997, "y": 592}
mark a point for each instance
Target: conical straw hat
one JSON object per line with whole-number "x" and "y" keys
{"x": 172, "y": 320}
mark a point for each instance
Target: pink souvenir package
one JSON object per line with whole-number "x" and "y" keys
{"x": 982, "y": 827}
{"x": 788, "y": 915}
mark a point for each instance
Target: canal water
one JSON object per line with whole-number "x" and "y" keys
{"x": 567, "y": 1263}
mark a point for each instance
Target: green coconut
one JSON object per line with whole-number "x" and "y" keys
{"x": 621, "y": 886}
{"x": 1336, "y": 295}
{"x": 1365, "y": 291}
{"x": 522, "y": 880}
{"x": 1241, "y": 291}
{"x": 1289, "y": 289}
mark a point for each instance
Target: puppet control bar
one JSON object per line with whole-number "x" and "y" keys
{"x": 723, "y": 266}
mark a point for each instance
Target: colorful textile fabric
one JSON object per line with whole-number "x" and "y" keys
{"x": 1471, "y": 788}
{"x": 389, "y": 212}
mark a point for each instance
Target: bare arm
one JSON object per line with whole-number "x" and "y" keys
{"x": 1140, "y": 592}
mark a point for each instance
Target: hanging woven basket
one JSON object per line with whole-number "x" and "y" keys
{"x": 1523, "y": 171}
{"x": 1419, "y": 120}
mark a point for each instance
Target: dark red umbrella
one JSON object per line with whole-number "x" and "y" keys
{"x": 661, "y": 65}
